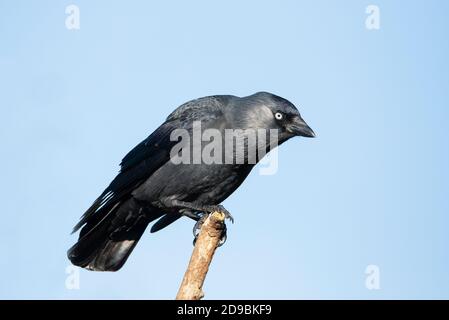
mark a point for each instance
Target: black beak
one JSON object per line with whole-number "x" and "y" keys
{"x": 300, "y": 128}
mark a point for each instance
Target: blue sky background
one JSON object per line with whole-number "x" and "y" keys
{"x": 372, "y": 188}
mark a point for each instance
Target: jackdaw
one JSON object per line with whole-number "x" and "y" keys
{"x": 151, "y": 187}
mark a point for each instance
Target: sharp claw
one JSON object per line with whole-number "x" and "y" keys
{"x": 223, "y": 239}
{"x": 227, "y": 214}
{"x": 198, "y": 225}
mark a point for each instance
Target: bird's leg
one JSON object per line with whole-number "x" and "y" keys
{"x": 178, "y": 204}
{"x": 194, "y": 215}
{"x": 188, "y": 209}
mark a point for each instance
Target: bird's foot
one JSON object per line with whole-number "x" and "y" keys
{"x": 198, "y": 225}
{"x": 197, "y": 228}
{"x": 209, "y": 210}
{"x": 224, "y": 236}
{"x": 221, "y": 209}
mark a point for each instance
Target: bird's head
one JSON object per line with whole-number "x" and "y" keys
{"x": 268, "y": 111}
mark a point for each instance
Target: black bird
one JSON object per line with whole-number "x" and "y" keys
{"x": 149, "y": 186}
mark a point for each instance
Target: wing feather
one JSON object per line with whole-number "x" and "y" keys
{"x": 149, "y": 155}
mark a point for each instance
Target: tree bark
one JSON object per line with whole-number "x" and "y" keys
{"x": 208, "y": 239}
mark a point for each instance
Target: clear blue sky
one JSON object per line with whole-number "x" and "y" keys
{"x": 371, "y": 189}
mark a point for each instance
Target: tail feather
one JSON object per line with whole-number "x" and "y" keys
{"x": 105, "y": 245}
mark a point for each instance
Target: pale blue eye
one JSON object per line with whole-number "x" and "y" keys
{"x": 278, "y": 116}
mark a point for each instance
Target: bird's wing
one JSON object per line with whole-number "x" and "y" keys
{"x": 136, "y": 166}
{"x": 206, "y": 110}
{"x": 148, "y": 156}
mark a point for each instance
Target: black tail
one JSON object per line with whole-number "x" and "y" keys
{"x": 105, "y": 245}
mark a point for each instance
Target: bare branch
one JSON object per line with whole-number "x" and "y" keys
{"x": 203, "y": 252}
